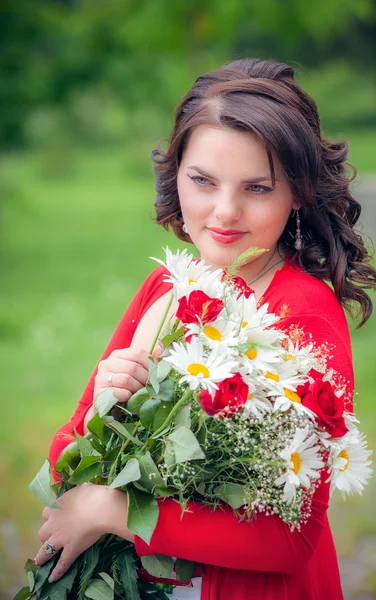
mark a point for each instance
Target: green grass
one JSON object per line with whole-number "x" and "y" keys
{"x": 76, "y": 240}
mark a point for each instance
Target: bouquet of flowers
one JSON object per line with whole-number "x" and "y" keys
{"x": 236, "y": 411}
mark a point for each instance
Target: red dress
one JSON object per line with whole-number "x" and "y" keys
{"x": 262, "y": 560}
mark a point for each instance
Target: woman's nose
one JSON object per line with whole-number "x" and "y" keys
{"x": 227, "y": 208}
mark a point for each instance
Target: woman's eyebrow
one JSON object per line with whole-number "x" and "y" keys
{"x": 252, "y": 180}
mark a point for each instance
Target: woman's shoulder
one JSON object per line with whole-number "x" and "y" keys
{"x": 153, "y": 287}
{"x": 293, "y": 291}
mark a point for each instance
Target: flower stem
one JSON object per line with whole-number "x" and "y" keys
{"x": 185, "y": 397}
{"x": 162, "y": 323}
{"x": 123, "y": 447}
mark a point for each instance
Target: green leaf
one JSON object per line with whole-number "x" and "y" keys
{"x": 87, "y": 469}
{"x": 43, "y": 574}
{"x": 232, "y": 493}
{"x": 29, "y": 566}
{"x": 172, "y": 337}
{"x": 163, "y": 369}
{"x": 161, "y": 414}
{"x": 70, "y": 460}
{"x": 136, "y": 401}
{"x": 123, "y": 431}
{"x": 106, "y": 577}
{"x": 98, "y": 446}
{"x": 142, "y": 514}
{"x": 166, "y": 390}
{"x": 185, "y": 445}
{"x": 131, "y": 472}
{"x": 183, "y": 417}
{"x": 23, "y": 594}
{"x": 242, "y": 259}
{"x": 30, "y": 580}
{"x": 89, "y": 562}
{"x": 158, "y": 565}
{"x": 147, "y": 412}
{"x": 96, "y": 426}
{"x": 184, "y": 569}
{"x": 99, "y": 590}
{"x": 85, "y": 446}
{"x": 153, "y": 378}
{"x": 150, "y": 476}
{"x": 164, "y": 492}
{"x": 128, "y": 576}
{"x": 104, "y": 402}
{"x": 58, "y": 589}
{"x": 41, "y": 486}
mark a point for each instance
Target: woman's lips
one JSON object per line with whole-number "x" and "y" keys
{"x": 226, "y": 237}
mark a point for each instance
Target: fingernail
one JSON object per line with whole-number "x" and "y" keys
{"x": 51, "y": 578}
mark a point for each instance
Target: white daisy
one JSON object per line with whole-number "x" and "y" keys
{"x": 260, "y": 359}
{"x": 302, "y": 356}
{"x": 303, "y": 461}
{"x": 199, "y": 368}
{"x": 281, "y": 383}
{"x": 255, "y": 321}
{"x": 221, "y": 333}
{"x": 349, "y": 464}
{"x": 188, "y": 273}
{"x": 257, "y": 404}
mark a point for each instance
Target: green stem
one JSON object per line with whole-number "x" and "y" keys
{"x": 188, "y": 394}
{"x": 175, "y": 325}
{"x": 162, "y": 323}
{"x": 122, "y": 448}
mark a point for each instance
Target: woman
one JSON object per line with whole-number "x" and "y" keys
{"x": 246, "y": 167}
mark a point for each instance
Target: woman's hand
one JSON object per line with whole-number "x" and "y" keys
{"x": 86, "y": 513}
{"x": 129, "y": 370}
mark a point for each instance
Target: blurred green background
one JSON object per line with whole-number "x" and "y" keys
{"x": 87, "y": 88}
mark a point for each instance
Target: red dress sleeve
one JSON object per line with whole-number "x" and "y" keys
{"x": 266, "y": 544}
{"x": 152, "y": 288}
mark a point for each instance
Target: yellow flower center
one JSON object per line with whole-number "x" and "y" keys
{"x": 287, "y": 356}
{"x": 270, "y": 375}
{"x": 251, "y": 353}
{"x": 244, "y": 324}
{"x": 250, "y": 396}
{"x": 212, "y": 333}
{"x": 191, "y": 281}
{"x": 292, "y": 396}
{"x": 296, "y": 461}
{"x": 198, "y": 369}
{"x": 344, "y": 454}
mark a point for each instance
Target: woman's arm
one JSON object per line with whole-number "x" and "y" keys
{"x": 218, "y": 538}
{"x": 137, "y": 327}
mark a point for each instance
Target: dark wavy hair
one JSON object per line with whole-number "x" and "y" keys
{"x": 262, "y": 97}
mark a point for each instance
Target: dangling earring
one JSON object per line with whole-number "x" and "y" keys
{"x": 298, "y": 235}
{"x": 184, "y": 228}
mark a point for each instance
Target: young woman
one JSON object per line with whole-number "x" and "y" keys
{"x": 246, "y": 166}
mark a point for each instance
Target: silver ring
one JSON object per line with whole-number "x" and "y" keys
{"x": 110, "y": 377}
{"x": 50, "y": 549}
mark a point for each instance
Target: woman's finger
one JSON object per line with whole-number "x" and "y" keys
{"x": 131, "y": 368}
{"x": 44, "y": 532}
{"x": 119, "y": 380}
{"x": 65, "y": 561}
{"x": 138, "y": 355}
{"x": 46, "y": 552}
{"x": 46, "y": 513}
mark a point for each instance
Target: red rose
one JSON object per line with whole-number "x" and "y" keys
{"x": 320, "y": 398}
{"x": 241, "y": 285}
{"x": 198, "y": 307}
{"x": 230, "y": 397}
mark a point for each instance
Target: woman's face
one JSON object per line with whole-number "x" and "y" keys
{"x": 226, "y": 194}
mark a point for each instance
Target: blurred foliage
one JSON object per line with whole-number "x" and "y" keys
{"x": 64, "y": 61}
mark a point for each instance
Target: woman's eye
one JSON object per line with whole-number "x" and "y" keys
{"x": 258, "y": 189}
{"x": 199, "y": 180}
